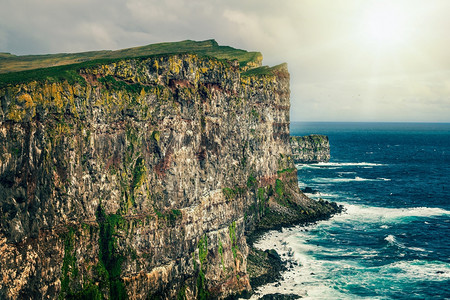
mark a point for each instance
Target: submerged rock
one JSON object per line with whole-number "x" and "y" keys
{"x": 309, "y": 190}
{"x": 278, "y": 296}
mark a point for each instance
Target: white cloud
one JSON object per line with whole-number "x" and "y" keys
{"x": 332, "y": 69}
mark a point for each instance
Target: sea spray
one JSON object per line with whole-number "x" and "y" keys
{"x": 393, "y": 240}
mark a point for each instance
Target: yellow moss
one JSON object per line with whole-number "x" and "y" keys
{"x": 141, "y": 179}
{"x": 88, "y": 92}
{"x": 245, "y": 80}
{"x": 16, "y": 113}
{"x": 56, "y": 95}
{"x": 62, "y": 129}
{"x": 156, "y": 65}
{"x": 38, "y": 98}
{"x": 71, "y": 98}
{"x": 156, "y": 136}
{"x": 142, "y": 94}
{"x": 27, "y": 99}
{"x": 174, "y": 64}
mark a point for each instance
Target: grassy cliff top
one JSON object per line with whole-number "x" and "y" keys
{"x": 265, "y": 70}
{"x": 11, "y": 63}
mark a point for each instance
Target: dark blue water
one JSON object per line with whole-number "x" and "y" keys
{"x": 393, "y": 241}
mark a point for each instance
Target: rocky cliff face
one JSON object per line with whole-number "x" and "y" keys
{"x": 310, "y": 149}
{"x": 141, "y": 177}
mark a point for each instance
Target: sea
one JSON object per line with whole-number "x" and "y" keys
{"x": 393, "y": 239}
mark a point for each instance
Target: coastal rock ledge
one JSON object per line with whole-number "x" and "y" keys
{"x": 312, "y": 148}
{"x": 141, "y": 177}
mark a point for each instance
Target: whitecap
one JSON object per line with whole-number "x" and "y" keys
{"x": 384, "y": 179}
{"x": 314, "y": 278}
{"x": 418, "y": 270}
{"x": 417, "y": 249}
{"x": 386, "y": 215}
{"x": 306, "y": 276}
{"x": 339, "y": 180}
{"x": 327, "y": 195}
{"x": 315, "y": 166}
{"x": 391, "y": 239}
{"x": 333, "y": 165}
{"x": 319, "y": 195}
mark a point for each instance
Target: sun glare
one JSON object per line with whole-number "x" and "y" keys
{"x": 384, "y": 25}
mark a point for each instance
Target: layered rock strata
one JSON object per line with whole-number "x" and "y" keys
{"x": 312, "y": 148}
{"x": 140, "y": 178}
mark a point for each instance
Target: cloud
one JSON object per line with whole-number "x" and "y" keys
{"x": 423, "y": 97}
{"x": 323, "y": 42}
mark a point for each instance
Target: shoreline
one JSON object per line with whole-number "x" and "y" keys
{"x": 271, "y": 263}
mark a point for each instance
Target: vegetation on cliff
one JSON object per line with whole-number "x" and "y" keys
{"x": 142, "y": 177}
{"x": 56, "y": 67}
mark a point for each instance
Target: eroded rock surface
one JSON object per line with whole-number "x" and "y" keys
{"x": 142, "y": 178}
{"x": 312, "y": 148}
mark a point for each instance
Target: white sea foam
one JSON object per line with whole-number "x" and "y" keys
{"x": 390, "y": 214}
{"x": 338, "y": 180}
{"x": 318, "y": 278}
{"x": 327, "y": 195}
{"x": 334, "y": 165}
{"x": 321, "y": 195}
{"x": 417, "y": 270}
{"x": 300, "y": 278}
{"x": 306, "y": 276}
{"x": 391, "y": 239}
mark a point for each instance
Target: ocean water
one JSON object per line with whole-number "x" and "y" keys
{"x": 393, "y": 240}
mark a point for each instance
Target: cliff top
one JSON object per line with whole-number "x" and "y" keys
{"x": 57, "y": 67}
{"x": 11, "y": 63}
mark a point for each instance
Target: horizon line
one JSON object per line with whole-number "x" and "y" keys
{"x": 423, "y": 122}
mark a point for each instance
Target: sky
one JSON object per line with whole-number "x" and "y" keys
{"x": 349, "y": 60}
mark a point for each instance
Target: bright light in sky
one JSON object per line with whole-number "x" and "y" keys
{"x": 349, "y": 60}
{"x": 385, "y": 25}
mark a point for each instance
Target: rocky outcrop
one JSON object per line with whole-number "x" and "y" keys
{"x": 140, "y": 178}
{"x": 313, "y": 148}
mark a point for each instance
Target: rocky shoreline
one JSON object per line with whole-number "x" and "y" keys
{"x": 266, "y": 266}
{"x": 141, "y": 177}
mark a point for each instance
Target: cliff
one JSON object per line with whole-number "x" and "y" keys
{"x": 313, "y": 148}
{"x": 141, "y": 177}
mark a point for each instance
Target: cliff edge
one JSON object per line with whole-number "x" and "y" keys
{"x": 140, "y": 177}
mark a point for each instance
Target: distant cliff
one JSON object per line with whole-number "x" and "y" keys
{"x": 141, "y": 177}
{"x": 310, "y": 149}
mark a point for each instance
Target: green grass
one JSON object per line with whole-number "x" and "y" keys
{"x": 289, "y": 170}
{"x": 279, "y": 188}
{"x": 110, "y": 259}
{"x": 233, "y": 238}
{"x": 6, "y": 55}
{"x": 201, "y": 279}
{"x": 252, "y": 182}
{"x": 264, "y": 70}
{"x": 17, "y": 69}
{"x": 69, "y": 73}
